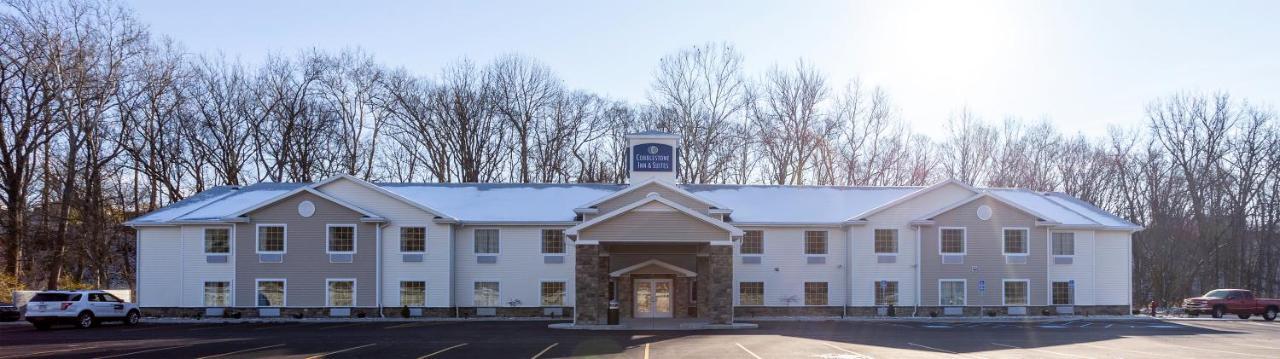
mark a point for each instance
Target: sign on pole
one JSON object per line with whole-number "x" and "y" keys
{"x": 982, "y": 286}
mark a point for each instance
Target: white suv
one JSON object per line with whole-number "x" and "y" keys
{"x": 84, "y": 308}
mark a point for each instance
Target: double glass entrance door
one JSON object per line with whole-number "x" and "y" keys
{"x": 653, "y": 298}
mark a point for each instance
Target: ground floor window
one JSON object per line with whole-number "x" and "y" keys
{"x": 486, "y": 294}
{"x": 217, "y": 294}
{"x": 815, "y": 293}
{"x": 951, "y": 292}
{"x": 271, "y": 293}
{"x": 886, "y": 292}
{"x": 341, "y": 293}
{"x": 751, "y": 293}
{"x": 1063, "y": 294}
{"x": 413, "y": 293}
{"x": 1015, "y": 292}
{"x": 553, "y": 294}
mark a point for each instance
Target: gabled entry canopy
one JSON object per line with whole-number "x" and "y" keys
{"x": 654, "y": 263}
{"x": 653, "y": 219}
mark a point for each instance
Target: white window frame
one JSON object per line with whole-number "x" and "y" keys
{"x": 897, "y": 242}
{"x": 474, "y": 238}
{"x": 564, "y": 296}
{"x": 328, "y": 298}
{"x": 564, "y": 244}
{"x": 1071, "y": 293}
{"x": 964, "y": 284}
{"x": 762, "y": 250}
{"x": 1026, "y": 241}
{"x": 1053, "y": 244}
{"x": 1026, "y": 292}
{"x": 328, "y": 238}
{"x": 204, "y": 237}
{"x": 497, "y": 301}
{"x": 964, "y": 239}
{"x": 804, "y": 243}
{"x": 257, "y": 238}
{"x": 400, "y": 291}
{"x": 231, "y": 294}
{"x": 400, "y": 240}
{"x": 762, "y": 293}
{"x": 284, "y": 292}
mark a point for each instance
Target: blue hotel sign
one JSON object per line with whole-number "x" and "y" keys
{"x": 652, "y": 157}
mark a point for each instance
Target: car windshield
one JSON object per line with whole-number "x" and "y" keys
{"x": 1217, "y": 294}
{"x": 51, "y": 297}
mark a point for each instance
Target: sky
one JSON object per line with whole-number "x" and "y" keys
{"x": 1083, "y": 65}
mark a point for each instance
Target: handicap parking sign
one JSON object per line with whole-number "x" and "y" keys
{"x": 982, "y": 286}
{"x": 1071, "y": 283}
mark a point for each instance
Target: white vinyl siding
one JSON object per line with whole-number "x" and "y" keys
{"x": 785, "y": 250}
{"x": 160, "y": 266}
{"x": 521, "y": 268}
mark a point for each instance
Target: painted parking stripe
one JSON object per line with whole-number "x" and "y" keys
{"x": 340, "y": 325}
{"x": 441, "y": 351}
{"x": 646, "y": 350}
{"x": 1213, "y": 350}
{"x": 1116, "y": 348}
{"x": 318, "y": 356}
{"x": 857, "y": 354}
{"x": 73, "y": 348}
{"x": 241, "y": 351}
{"x": 941, "y": 350}
{"x": 144, "y": 351}
{"x": 1040, "y": 350}
{"x": 753, "y": 355}
{"x": 544, "y": 351}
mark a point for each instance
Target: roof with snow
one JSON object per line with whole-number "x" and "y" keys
{"x": 216, "y": 203}
{"x": 543, "y": 203}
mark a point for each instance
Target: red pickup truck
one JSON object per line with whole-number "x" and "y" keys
{"x": 1240, "y": 302}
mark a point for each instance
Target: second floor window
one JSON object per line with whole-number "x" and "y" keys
{"x": 952, "y": 241}
{"x": 342, "y": 239}
{"x": 217, "y": 240}
{"x": 752, "y": 242}
{"x": 1064, "y": 244}
{"x": 815, "y": 242}
{"x": 886, "y": 241}
{"x": 413, "y": 239}
{"x": 1015, "y": 241}
{"x": 271, "y": 238}
{"x": 552, "y": 241}
{"x": 486, "y": 241}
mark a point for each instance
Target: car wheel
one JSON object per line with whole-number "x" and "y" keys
{"x": 1270, "y": 315}
{"x": 84, "y": 320}
{"x": 131, "y": 318}
{"x": 42, "y": 326}
{"x": 1244, "y": 316}
{"x": 1218, "y": 312}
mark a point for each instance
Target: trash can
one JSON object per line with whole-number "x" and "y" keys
{"x": 613, "y": 312}
{"x": 891, "y": 311}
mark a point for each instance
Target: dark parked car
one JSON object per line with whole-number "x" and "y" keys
{"x": 9, "y": 313}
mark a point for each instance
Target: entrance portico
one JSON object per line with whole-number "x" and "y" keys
{"x": 655, "y": 258}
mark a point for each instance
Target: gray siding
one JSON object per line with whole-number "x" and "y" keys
{"x": 985, "y": 249}
{"x": 306, "y": 265}
{"x": 652, "y": 226}
{"x": 640, "y": 193}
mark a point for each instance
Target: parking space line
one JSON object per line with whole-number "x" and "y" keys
{"x": 414, "y": 325}
{"x": 144, "y": 351}
{"x": 340, "y": 325}
{"x": 1212, "y": 350}
{"x": 544, "y": 351}
{"x": 341, "y": 351}
{"x": 1040, "y": 350}
{"x": 1086, "y": 324}
{"x": 1108, "y": 326}
{"x": 753, "y": 355}
{"x": 1109, "y": 348}
{"x": 241, "y": 351}
{"x": 441, "y": 351}
{"x": 646, "y": 350}
{"x": 860, "y": 355}
{"x": 74, "y": 348}
{"x": 941, "y": 350}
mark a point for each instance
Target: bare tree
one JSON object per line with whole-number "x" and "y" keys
{"x": 786, "y": 113}
{"x": 526, "y": 94}
{"x": 699, "y": 93}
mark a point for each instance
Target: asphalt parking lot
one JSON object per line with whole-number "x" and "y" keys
{"x": 526, "y": 339}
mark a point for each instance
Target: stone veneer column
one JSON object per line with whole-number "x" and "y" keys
{"x": 718, "y": 284}
{"x": 681, "y": 293}
{"x": 703, "y": 265}
{"x": 626, "y": 304}
{"x": 590, "y": 285}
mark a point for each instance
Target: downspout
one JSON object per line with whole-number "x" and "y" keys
{"x": 453, "y": 264}
{"x": 377, "y": 270}
{"x": 1048, "y": 271}
{"x": 916, "y": 309}
{"x": 137, "y": 266}
{"x": 848, "y": 279}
